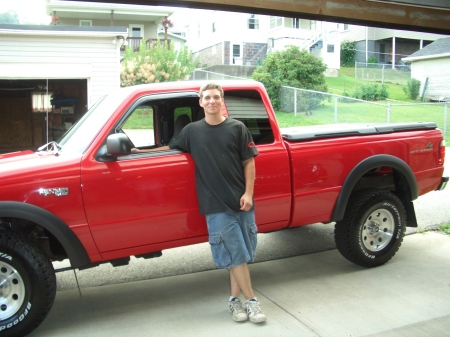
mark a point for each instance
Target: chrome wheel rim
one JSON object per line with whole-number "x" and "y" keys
{"x": 378, "y": 230}
{"x": 12, "y": 291}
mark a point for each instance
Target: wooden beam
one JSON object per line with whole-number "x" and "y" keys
{"x": 393, "y": 15}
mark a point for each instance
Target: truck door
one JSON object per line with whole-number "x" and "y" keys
{"x": 148, "y": 198}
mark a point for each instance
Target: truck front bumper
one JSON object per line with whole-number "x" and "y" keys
{"x": 443, "y": 183}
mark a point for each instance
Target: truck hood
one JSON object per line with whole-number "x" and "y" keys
{"x": 26, "y": 166}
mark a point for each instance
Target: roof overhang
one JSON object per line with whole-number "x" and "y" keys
{"x": 103, "y": 11}
{"x": 63, "y": 30}
{"x": 414, "y": 15}
{"x": 427, "y": 57}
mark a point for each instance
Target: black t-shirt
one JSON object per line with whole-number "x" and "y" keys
{"x": 218, "y": 152}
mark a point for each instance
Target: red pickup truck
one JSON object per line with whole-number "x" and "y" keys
{"x": 88, "y": 199}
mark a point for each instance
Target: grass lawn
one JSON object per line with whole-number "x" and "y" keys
{"x": 360, "y": 112}
{"x": 346, "y": 82}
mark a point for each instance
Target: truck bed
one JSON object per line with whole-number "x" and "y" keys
{"x": 301, "y": 133}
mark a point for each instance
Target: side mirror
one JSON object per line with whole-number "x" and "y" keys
{"x": 118, "y": 144}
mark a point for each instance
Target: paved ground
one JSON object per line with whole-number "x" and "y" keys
{"x": 318, "y": 294}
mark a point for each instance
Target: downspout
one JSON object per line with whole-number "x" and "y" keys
{"x": 367, "y": 44}
{"x": 393, "y": 52}
{"x": 112, "y": 17}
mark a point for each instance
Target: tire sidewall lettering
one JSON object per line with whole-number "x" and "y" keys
{"x": 6, "y": 256}
{"x": 23, "y": 313}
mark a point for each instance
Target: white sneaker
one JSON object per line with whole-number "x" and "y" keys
{"x": 237, "y": 310}
{"x": 254, "y": 311}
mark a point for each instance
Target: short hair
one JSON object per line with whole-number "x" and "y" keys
{"x": 210, "y": 86}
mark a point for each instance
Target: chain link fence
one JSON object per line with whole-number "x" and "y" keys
{"x": 326, "y": 108}
{"x": 382, "y": 73}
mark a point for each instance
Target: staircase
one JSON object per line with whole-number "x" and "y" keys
{"x": 314, "y": 42}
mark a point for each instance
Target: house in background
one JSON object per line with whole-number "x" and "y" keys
{"x": 387, "y": 46}
{"x": 321, "y": 39}
{"x": 431, "y": 66}
{"x": 143, "y": 22}
{"x": 228, "y": 38}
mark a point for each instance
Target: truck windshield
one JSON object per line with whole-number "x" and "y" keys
{"x": 78, "y": 138}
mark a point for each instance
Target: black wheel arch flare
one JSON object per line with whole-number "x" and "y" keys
{"x": 59, "y": 229}
{"x": 363, "y": 167}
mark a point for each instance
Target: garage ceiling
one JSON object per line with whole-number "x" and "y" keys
{"x": 414, "y": 15}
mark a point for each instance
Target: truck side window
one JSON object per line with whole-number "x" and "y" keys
{"x": 139, "y": 126}
{"x": 247, "y": 107}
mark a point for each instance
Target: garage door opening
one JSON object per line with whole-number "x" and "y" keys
{"x": 34, "y": 112}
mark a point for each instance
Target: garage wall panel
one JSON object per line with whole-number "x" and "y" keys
{"x": 438, "y": 73}
{"x": 96, "y": 59}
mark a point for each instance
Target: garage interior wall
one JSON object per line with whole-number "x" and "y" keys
{"x": 21, "y": 128}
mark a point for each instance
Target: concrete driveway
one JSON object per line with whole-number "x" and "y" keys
{"x": 318, "y": 294}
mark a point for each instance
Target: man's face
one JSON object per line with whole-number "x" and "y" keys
{"x": 211, "y": 101}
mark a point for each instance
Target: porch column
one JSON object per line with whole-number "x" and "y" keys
{"x": 393, "y": 52}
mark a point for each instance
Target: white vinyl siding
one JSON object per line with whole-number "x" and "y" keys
{"x": 95, "y": 59}
{"x": 438, "y": 73}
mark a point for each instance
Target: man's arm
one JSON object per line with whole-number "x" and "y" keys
{"x": 249, "y": 176}
{"x": 135, "y": 150}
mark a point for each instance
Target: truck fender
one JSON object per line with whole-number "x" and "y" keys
{"x": 75, "y": 251}
{"x": 363, "y": 167}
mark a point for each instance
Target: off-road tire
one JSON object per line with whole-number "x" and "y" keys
{"x": 372, "y": 229}
{"x": 27, "y": 285}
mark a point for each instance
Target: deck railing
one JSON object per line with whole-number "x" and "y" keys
{"x": 135, "y": 43}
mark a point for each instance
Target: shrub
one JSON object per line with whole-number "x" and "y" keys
{"x": 372, "y": 92}
{"x": 348, "y": 51}
{"x": 372, "y": 59}
{"x": 412, "y": 88}
{"x": 157, "y": 64}
{"x": 295, "y": 68}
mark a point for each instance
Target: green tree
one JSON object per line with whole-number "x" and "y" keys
{"x": 9, "y": 17}
{"x": 348, "y": 51}
{"x": 156, "y": 64}
{"x": 296, "y": 68}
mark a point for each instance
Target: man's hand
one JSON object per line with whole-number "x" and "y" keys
{"x": 246, "y": 202}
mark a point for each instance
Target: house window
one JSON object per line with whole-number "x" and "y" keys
{"x": 41, "y": 101}
{"x": 85, "y": 23}
{"x": 236, "y": 50}
{"x": 296, "y": 23}
{"x": 236, "y": 54}
{"x": 330, "y": 48}
{"x": 136, "y": 31}
{"x": 275, "y": 21}
{"x": 253, "y": 23}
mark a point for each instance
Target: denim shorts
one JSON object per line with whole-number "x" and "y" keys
{"x": 232, "y": 236}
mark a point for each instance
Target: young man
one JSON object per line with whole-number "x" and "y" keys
{"x": 223, "y": 151}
